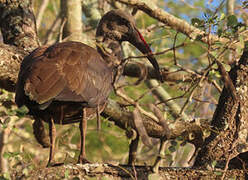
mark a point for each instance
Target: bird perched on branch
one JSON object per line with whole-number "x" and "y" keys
{"x": 59, "y": 83}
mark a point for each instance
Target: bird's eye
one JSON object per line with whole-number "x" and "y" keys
{"x": 110, "y": 26}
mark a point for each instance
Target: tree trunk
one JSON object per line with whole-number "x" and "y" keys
{"x": 72, "y": 16}
{"x": 229, "y": 135}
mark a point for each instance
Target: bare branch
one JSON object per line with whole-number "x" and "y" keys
{"x": 178, "y": 24}
{"x": 72, "y": 11}
{"x": 40, "y": 13}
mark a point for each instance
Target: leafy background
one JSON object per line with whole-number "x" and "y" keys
{"x": 21, "y": 151}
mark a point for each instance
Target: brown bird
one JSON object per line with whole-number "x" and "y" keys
{"x": 63, "y": 82}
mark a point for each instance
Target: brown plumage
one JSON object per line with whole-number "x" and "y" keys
{"x": 66, "y": 82}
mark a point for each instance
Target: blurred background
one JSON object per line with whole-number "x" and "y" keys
{"x": 191, "y": 95}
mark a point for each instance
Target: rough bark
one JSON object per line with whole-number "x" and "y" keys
{"x": 136, "y": 70}
{"x": 18, "y": 29}
{"x": 124, "y": 120}
{"x": 17, "y": 24}
{"x": 12, "y": 55}
{"x": 229, "y": 136}
{"x": 10, "y": 58}
{"x": 120, "y": 172}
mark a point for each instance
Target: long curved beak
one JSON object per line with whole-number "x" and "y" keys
{"x": 139, "y": 42}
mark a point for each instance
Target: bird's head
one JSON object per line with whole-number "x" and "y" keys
{"x": 118, "y": 26}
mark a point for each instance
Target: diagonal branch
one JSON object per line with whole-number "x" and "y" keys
{"x": 178, "y": 24}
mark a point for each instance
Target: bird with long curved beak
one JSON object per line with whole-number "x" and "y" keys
{"x": 58, "y": 83}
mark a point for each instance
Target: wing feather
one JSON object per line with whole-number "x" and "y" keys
{"x": 68, "y": 71}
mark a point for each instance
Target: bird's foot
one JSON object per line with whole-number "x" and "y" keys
{"x": 82, "y": 160}
{"x": 52, "y": 164}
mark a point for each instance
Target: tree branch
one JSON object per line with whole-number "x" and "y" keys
{"x": 178, "y": 24}
{"x": 124, "y": 119}
{"x": 72, "y": 12}
{"x": 10, "y": 59}
{"x": 17, "y": 24}
{"x": 40, "y": 13}
{"x": 229, "y": 137}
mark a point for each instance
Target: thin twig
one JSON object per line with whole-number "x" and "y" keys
{"x": 136, "y": 104}
{"x": 52, "y": 29}
{"x": 40, "y": 13}
{"x": 155, "y": 54}
{"x": 61, "y": 30}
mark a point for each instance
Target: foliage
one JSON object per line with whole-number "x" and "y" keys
{"x": 197, "y": 97}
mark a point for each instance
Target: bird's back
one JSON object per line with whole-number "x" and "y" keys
{"x": 68, "y": 72}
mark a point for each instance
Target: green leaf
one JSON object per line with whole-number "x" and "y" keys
{"x": 197, "y": 22}
{"x": 3, "y": 178}
{"x": 66, "y": 173}
{"x": 232, "y": 21}
{"x": 220, "y": 31}
{"x": 10, "y": 154}
{"x": 75, "y": 178}
{"x": 25, "y": 171}
{"x": 222, "y": 16}
{"x": 214, "y": 164}
{"x": 179, "y": 138}
{"x": 6, "y": 175}
{"x": 6, "y": 155}
{"x": 218, "y": 173}
{"x": 22, "y": 111}
{"x": 227, "y": 67}
{"x": 172, "y": 149}
{"x": 173, "y": 143}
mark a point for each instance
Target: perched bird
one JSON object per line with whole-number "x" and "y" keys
{"x": 62, "y": 83}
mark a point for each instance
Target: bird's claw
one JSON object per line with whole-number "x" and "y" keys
{"x": 82, "y": 160}
{"x": 51, "y": 164}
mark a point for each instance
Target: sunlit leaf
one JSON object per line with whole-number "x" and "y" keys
{"x": 232, "y": 21}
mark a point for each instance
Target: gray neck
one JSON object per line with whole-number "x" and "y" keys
{"x": 112, "y": 53}
{"x": 110, "y": 50}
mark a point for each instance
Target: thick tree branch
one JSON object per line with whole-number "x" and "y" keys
{"x": 178, "y": 24}
{"x": 135, "y": 70}
{"x": 17, "y": 24}
{"x": 72, "y": 13}
{"x": 18, "y": 29}
{"x": 10, "y": 58}
{"x": 124, "y": 119}
{"x": 230, "y": 7}
{"x": 229, "y": 137}
{"x": 163, "y": 96}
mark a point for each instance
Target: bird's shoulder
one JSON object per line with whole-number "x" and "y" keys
{"x": 70, "y": 66}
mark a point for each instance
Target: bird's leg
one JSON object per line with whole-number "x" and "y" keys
{"x": 61, "y": 115}
{"x": 98, "y": 118}
{"x": 52, "y": 135}
{"x": 133, "y": 150}
{"x": 83, "y": 127}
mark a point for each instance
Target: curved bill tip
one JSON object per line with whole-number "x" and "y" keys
{"x": 139, "y": 42}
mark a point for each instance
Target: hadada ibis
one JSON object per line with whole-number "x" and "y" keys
{"x": 59, "y": 83}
